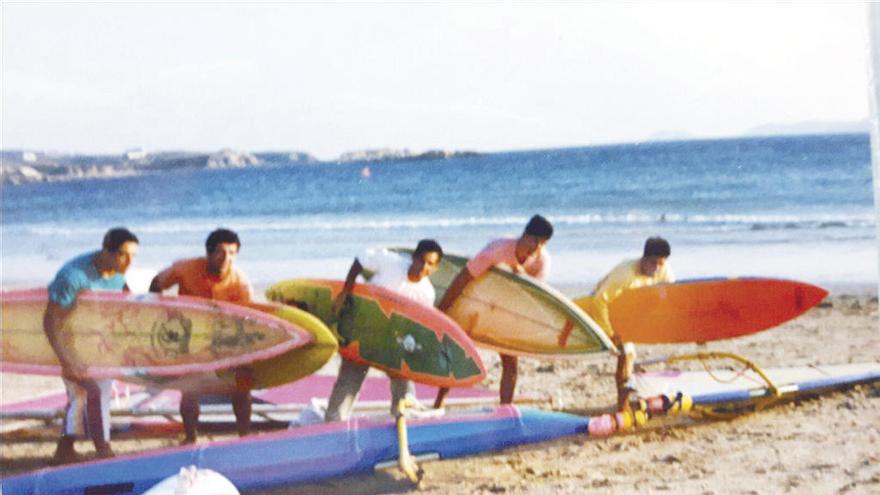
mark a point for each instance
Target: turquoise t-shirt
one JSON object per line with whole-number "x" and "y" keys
{"x": 80, "y": 274}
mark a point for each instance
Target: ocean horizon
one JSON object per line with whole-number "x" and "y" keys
{"x": 797, "y": 207}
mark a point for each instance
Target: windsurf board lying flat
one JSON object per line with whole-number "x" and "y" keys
{"x": 313, "y": 453}
{"x": 743, "y": 386}
{"x": 306, "y": 454}
{"x": 383, "y": 329}
{"x": 517, "y": 314}
{"x": 136, "y": 400}
{"x": 144, "y": 337}
{"x": 374, "y": 393}
{"x": 708, "y": 309}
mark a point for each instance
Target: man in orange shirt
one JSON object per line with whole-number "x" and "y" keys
{"x": 214, "y": 276}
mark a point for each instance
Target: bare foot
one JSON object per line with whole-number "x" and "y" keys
{"x": 104, "y": 452}
{"x": 66, "y": 457}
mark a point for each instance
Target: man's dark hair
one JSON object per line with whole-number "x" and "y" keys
{"x": 221, "y": 236}
{"x": 428, "y": 246}
{"x": 117, "y": 237}
{"x": 539, "y": 226}
{"x": 657, "y": 246}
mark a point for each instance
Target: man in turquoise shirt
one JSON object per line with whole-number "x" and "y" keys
{"x": 88, "y": 399}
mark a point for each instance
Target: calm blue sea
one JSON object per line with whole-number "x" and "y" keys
{"x": 795, "y": 207}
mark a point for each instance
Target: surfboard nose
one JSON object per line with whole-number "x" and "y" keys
{"x": 806, "y": 296}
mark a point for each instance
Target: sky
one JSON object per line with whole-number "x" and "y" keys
{"x": 326, "y": 78}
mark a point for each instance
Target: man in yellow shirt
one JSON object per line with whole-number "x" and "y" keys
{"x": 651, "y": 269}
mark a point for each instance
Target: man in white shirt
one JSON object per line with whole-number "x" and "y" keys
{"x": 407, "y": 277}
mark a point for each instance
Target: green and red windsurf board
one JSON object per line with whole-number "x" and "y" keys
{"x": 380, "y": 328}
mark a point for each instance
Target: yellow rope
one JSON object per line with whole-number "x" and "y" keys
{"x": 703, "y": 356}
{"x": 718, "y": 379}
{"x": 757, "y": 404}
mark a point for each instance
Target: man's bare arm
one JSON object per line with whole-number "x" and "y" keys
{"x": 53, "y": 322}
{"x": 455, "y": 289}
{"x": 155, "y": 285}
{"x": 355, "y": 270}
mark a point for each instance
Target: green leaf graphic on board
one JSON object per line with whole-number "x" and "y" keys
{"x": 388, "y": 340}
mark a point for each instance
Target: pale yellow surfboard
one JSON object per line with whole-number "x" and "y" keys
{"x": 145, "y": 338}
{"x": 517, "y": 314}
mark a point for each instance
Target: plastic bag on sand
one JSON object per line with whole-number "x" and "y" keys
{"x": 194, "y": 481}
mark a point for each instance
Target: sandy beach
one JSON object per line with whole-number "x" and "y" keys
{"x": 829, "y": 444}
{"x": 744, "y": 134}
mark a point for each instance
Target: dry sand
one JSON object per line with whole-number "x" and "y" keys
{"x": 824, "y": 445}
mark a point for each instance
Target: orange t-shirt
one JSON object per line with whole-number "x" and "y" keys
{"x": 192, "y": 279}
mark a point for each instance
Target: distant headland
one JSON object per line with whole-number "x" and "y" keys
{"x": 24, "y": 166}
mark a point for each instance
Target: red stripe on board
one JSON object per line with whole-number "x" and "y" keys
{"x": 566, "y": 332}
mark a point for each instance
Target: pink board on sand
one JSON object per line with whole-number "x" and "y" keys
{"x": 138, "y": 401}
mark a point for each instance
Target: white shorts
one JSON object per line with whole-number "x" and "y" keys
{"x": 75, "y": 417}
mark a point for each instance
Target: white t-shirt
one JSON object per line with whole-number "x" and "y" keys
{"x": 389, "y": 271}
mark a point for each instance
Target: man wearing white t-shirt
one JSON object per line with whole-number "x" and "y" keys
{"x": 407, "y": 277}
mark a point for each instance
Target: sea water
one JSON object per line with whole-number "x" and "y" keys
{"x": 793, "y": 207}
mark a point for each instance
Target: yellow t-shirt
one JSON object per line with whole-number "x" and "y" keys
{"x": 624, "y": 276}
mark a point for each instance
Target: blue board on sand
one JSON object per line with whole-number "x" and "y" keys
{"x": 304, "y": 454}
{"x": 317, "y": 452}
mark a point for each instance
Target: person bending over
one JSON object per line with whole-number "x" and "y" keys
{"x": 409, "y": 278}
{"x": 525, "y": 254}
{"x": 651, "y": 269}
{"x": 88, "y": 400}
{"x": 213, "y": 276}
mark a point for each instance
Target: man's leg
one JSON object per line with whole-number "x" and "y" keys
{"x": 71, "y": 426}
{"x": 241, "y": 399}
{"x": 65, "y": 453}
{"x": 98, "y": 415}
{"x": 625, "y": 364}
{"x": 189, "y": 412}
{"x": 442, "y": 392}
{"x": 345, "y": 391}
{"x": 509, "y": 366}
{"x": 241, "y": 406}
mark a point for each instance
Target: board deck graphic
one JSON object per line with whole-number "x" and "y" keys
{"x": 148, "y": 337}
{"x": 383, "y": 329}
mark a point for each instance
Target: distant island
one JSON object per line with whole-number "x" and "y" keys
{"x": 814, "y": 127}
{"x": 402, "y": 154}
{"x": 24, "y": 166}
{"x": 19, "y": 166}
